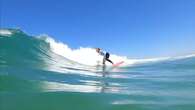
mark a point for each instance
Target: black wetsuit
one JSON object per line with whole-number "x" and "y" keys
{"x": 106, "y": 57}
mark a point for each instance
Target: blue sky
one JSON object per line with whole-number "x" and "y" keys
{"x": 134, "y": 28}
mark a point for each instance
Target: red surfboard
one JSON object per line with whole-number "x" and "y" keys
{"x": 118, "y": 63}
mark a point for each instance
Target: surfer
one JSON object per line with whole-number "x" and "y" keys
{"x": 105, "y": 55}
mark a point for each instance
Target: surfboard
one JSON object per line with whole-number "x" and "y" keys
{"x": 118, "y": 64}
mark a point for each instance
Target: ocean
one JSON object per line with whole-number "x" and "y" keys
{"x": 39, "y": 73}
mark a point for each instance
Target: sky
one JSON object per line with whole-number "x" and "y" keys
{"x": 133, "y": 28}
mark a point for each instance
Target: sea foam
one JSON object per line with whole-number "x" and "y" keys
{"x": 88, "y": 55}
{"x": 5, "y": 32}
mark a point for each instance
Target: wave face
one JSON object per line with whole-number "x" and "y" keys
{"x": 37, "y": 69}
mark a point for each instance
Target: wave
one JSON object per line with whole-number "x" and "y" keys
{"x": 43, "y": 51}
{"x": 88, "y": 56}
{"x": 34, "y": 66}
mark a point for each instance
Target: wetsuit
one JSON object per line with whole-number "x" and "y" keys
{"x": 106, "y": 57}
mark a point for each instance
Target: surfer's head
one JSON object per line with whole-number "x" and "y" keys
{"x": 97, "y": 50}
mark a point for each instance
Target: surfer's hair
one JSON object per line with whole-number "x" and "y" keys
{"x": 97, "y": 49}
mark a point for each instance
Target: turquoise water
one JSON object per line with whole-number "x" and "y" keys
{"x": 32, "y": 77}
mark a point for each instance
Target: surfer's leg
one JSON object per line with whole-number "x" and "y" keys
{"x": 104, "y": 60}
{"x": 109, "y": 60}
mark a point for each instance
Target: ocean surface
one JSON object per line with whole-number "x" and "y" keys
{"x": 38, "y": 73}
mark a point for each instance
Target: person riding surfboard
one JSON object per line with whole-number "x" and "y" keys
{"x": 105, "y": 55}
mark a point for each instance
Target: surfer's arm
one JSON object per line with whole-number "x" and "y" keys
{"x": 101, "y": 53}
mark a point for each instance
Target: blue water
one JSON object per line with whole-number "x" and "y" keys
{"x": 33, "y": 77}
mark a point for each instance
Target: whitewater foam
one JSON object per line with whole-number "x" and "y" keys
{"x": 5, "y": 32}
{"x": 88, "y": 56}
